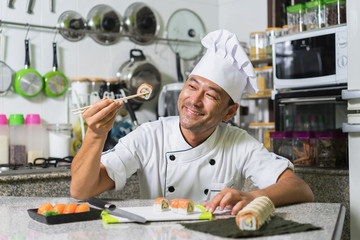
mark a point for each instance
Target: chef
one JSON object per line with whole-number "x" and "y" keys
{"x": 195, "y": 155}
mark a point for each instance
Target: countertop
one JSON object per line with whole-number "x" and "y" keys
{"x": 16, "y": 224}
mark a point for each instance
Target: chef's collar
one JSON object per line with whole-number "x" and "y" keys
{"x": 226, "y": 64}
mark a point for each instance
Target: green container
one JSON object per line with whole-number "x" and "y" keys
{"x": 295, "y": 18}
{"x": 335, "y": 12}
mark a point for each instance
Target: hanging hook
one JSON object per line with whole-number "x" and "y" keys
{"x": 55, "y": 35}
{"x": 27, "y": 31}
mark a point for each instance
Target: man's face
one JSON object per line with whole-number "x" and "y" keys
{"x": 202, "y": 105}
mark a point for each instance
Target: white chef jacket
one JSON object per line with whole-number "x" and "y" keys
{"x": 168, "y": 166}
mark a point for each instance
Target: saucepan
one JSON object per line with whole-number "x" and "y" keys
{"x": 137, "y": 71}
{"x": 56, "y": 82}
{"x": 28, "y": 82}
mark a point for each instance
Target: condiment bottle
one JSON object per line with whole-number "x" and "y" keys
{"x": 34, "y": 137}
{"x": 295, "y": 18}
{"x": 17, "y": 140}
{"x": 59, "y": 140}
{"x": 4, "y": 141}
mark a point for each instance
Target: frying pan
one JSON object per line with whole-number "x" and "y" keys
{"x": 56, "y": 82}
{"x": 28, "y": 82}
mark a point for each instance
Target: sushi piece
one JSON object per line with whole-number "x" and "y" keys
{"x": 182, "y": 206}
{"x": 162, "y": 204}
{"x": 255, "y": 214}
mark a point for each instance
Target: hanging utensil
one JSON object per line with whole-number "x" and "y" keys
{"x": 141, "y": 23}
{"x": 30, "y": 6}
{"x": 52, "y": 6}
{"x": 6, "y": 73}
{"x": 106, "y": 24}
{"x": 11, "y": 4}
{"x": 75, "y": 23}
{"x": 56, "y": 82}
{"x": 28, "y": 82}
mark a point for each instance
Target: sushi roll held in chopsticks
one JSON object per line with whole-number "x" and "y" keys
{"x": 144, "y": 88}
{"x": 161, "y": 204}
{"x": 182, "y": 206}
{"x": 255, "y": 214}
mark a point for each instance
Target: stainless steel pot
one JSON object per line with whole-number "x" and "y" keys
{"x": 106, "y": 24}
{"x": 137, "y": 71}
{"x": 141, "y": 23}
{"x": 75, "y": 23}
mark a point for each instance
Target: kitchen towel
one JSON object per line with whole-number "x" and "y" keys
{"x": 228, "y": 228}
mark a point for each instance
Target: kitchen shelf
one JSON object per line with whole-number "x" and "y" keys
{"x": 27, "y": 26}
{"x": 262, "y": 61}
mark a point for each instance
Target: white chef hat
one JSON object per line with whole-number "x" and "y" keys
{"x": 226, "y": 64}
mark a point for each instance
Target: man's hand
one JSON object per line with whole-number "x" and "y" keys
{"x": 229, "y": 198}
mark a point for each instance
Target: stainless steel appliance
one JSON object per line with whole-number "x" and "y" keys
{"x": 312, "y": 58}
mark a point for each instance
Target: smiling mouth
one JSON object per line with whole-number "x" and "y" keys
{"x": 195, "y": 113}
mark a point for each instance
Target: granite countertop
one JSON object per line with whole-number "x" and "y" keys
{"x": 16, "y": 224}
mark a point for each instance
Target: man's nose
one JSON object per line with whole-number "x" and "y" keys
{"x": 197, "y": 98}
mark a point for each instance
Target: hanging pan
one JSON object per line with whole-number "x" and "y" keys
{"x": 141, "y": 23}
{"x": 6, "y": 73}
{"x": 28, "y": 82}
{"x": 72, "y": 26}
{"x": 56, "y": 82}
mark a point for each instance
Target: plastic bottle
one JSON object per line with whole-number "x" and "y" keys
{"x": 17, "y": 140}
{"x": 4, "y": 141}
{"x": 34, "y": 137}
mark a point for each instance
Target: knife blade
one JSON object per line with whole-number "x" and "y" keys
{"x": 113, "y": 210}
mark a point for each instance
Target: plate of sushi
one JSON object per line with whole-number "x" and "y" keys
{"x": 64, "y": 213}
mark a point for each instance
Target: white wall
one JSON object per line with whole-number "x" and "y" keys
{"x": 87, "y": 58}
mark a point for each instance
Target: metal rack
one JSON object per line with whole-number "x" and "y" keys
{"x": 59, "y": 29}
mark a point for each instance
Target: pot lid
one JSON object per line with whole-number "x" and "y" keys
{"x": 73, "y": 21}
{"x": 184, "y": 24}
{"x": 141, "y": 23}
{"x": 106, "y": 24}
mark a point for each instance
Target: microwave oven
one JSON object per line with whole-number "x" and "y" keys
{"x": 311, "y": 59}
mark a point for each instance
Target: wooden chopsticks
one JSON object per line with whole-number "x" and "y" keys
{"x": 82, "y": 109}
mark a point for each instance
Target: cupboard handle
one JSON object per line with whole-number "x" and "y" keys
{"x": 351, "y": 127}
{"x": 350, "y": 94}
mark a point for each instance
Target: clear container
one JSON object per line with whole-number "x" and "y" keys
{"x": 80, "y": 90}
{"x": 295, "y": 18}
{"x": 282, "y": 144}
{"x": 4, "y": 141}
{"x": 60, "y": 136}
{"x": 257, "y": 45}
{"x": 255, "y": 130}
{"x": 261, "y": 83}
{"x": 95, "y": 84}
{"x": 331, "y": 150}
{"x": 271, "y": 34}
{"x": 267, "y": 129}
{"x": 335, "y": 12}
{"x": 304, "y": 149}
{"x": 265, "y": 82}
{"x": 17, "y": 140}
{"x": 314, "y": 14}
{"x": 284, "y": 30}
{"x": 34, "y": 137}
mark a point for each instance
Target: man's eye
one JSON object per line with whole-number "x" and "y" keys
{"x": 191, "y": 86}
{"x": 211, "y": 96}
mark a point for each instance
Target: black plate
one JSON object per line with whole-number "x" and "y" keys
{"x": 93, "y": 214}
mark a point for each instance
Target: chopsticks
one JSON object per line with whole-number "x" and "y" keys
{"x": 82, "y": 109}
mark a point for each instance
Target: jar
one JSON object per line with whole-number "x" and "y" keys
{"x": 267, "y": 129}
{"x": 17, "y": 140}
{"x": 304, "y": 149}
{"x": 80, "y": 91}
{"x": 34, "y": 137}
{"x": 331, "y": 149}
{"x": 271, "y": 34}
{"x": 60, "y": 136}
{"x": 255, "y": 130}
{"x": 284, "y": 30}
{"x": 4, "y": 141}
{"x": 261, "y": 83}
{"x": 335, "y": 12}
{"x": 295, "y": 18}
{"x": 257, "y": 45}
{"x": 95, "y": 84}
{"x": 281, "y": 143}
{"x": 267, "y": 74}
{"x": 314, "y": 14}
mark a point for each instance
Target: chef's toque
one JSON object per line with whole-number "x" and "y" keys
{"x": 226, "y": 64}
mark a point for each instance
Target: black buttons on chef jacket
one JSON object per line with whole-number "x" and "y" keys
{"x": 212, "y": 162}
{"x": 206, "y": 191}
{"x": 172, "y": 157}
{"x": 171, "y": 189}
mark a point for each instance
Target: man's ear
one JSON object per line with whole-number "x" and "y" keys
{"x": 231, "y": 110}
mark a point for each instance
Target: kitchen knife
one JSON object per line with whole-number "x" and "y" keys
{"x": 113, "y": 210}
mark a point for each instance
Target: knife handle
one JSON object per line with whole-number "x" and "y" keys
{"x": 100, "y": 203}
